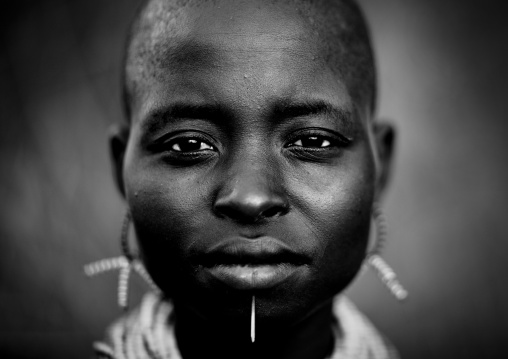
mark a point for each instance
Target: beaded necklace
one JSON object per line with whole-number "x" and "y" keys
{"x": 148, "y": 333}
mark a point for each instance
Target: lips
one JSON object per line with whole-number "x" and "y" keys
{"x": 251, "y": 264}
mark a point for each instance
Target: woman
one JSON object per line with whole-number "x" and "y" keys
{"x": 250, "y": 163}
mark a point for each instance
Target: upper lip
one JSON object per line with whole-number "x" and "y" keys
{"x": 246, "y": 251}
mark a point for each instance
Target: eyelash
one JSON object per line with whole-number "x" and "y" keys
{"x": 328, "y": 141}
{"x": 175, "y": 144}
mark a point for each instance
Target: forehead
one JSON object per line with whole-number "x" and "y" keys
{"x": 236, "y": 50}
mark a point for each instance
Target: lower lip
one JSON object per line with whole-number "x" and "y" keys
{"x": 253, "y": 277}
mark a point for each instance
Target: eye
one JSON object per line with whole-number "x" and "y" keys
{"x": 316, "y": 144}
{"x": 189, "y": 145}
{"x": 312, "y": 141}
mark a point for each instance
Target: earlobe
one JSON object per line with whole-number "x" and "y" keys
{"x": 384, "y": 135}
{"x": 118, "y": 138}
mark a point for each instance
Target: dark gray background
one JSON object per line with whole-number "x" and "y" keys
{"x": 444, "y": 83}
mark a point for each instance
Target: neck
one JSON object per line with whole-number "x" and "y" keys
{"x": 311, "y": 338}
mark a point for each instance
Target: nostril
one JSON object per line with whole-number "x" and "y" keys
{"x": 249, "y": 214}
{"x": 249, "y": 208}
{"x": 273, "y": 211}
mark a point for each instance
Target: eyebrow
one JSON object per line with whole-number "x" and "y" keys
{"x": 193, "y": 111}
{"x": 183, "y": 110}
{"x": 288, "y": 109}
{"x": 219, "y": 114}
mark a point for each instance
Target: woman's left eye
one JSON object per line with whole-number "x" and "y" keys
{"x": 311, "y": 142}
{"x": 190, "y": 145}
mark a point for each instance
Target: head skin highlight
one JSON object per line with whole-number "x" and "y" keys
{"x": 339, "y": 26}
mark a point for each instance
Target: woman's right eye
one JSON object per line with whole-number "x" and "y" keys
{"x": 189, "y": 145}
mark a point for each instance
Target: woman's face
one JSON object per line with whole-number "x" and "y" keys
{"x": 249, "y": 170}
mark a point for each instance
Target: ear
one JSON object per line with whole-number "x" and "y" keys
{"x": 118, "y": 138}
{"x": 384, "y": 140}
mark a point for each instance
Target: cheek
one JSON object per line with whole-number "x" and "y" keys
{"x": 167, "y": 212}
{"x": 165, "y": 206}
{"x": 336, "y": 205}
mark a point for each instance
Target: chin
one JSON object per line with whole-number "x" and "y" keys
{"x": 282, "y": 306}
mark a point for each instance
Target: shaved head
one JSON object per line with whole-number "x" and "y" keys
{"x": 158, "y": 32}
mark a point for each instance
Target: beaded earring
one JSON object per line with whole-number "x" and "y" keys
{"x": 125, "y": 264}
{"x": 378, "y": 264}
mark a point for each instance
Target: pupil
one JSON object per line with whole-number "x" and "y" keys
{"x": 312, "y": 141}
{"x": 190, "y": 145}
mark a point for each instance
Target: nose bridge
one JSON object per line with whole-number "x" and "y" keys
{"x": 252, "y": 189}
{"x": 251, "y": 182}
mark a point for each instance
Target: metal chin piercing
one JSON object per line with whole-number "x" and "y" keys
{"x": 378, "y": 264}
{"x": 125, "y": 264}
{"x": 253, "y": 320}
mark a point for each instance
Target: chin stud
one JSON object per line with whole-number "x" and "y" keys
{"x": 253, "y": 320}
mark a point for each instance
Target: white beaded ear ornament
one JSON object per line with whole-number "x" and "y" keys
{"x": 378, "y": 264}
{"x": 125, "y": 264}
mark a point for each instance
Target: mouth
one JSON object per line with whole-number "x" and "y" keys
{"x": 251, "y": 264}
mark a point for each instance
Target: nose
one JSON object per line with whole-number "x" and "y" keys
{"x": 251, "y": 196}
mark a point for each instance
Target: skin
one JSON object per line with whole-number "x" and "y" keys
{"x": 242, "y": 127}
